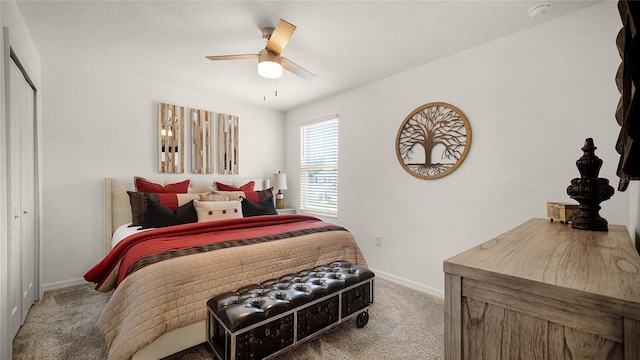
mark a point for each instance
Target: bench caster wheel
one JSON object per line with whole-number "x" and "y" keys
{"x": 362, "y": 319}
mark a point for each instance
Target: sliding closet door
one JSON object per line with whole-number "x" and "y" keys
{"x": 22, "y": 248}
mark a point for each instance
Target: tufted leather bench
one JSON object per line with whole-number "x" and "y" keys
{"x": 261, "y": 320}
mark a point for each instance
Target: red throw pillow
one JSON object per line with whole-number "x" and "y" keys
{"x": 246, "y": 187}
{"x": 249, "y": 193}
{"x": 143, "y": 185}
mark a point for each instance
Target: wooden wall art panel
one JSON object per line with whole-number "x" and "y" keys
{"x": 170, "y": 138}
{"x": 228, "y": 142}
{"x": 433, "y": 140}
{"x": 201, "y": 141}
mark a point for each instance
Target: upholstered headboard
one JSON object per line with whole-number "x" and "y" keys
{"x": 117, "y": 208}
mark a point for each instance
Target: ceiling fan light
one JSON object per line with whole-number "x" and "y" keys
{"x": 269, "y": 64}
{"x": 270, "y": 69}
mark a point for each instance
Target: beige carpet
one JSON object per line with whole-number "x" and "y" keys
{"x": 403, "y": 324}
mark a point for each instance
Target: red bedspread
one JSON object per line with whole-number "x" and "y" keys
{"x": 129, "y": 252}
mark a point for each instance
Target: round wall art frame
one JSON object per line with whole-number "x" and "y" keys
{"x": 433, "y": 140}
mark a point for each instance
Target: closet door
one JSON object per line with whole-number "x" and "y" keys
{"x": 27, "y": 188}
{"x": 16, "y": 106}
{"x": 22, "y": 256}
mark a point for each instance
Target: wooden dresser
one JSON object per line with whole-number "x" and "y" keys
{"x": 545, "y": 291}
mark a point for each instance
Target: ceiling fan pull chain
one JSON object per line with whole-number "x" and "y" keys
{"x": 264, "y": 88}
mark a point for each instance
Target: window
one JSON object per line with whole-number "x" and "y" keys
{"x": 319, "y": 167}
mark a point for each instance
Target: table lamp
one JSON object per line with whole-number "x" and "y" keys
{"x": 279, "y": 183}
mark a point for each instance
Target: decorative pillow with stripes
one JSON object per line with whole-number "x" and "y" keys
{"x": 139, "y": 203}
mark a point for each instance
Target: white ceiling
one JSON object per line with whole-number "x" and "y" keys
{"x": 345, "y": 43}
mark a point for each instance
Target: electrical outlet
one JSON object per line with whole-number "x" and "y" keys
{"x": 378, "y": 241}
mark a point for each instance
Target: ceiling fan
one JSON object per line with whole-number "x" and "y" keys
{"x": 270, "y": 63}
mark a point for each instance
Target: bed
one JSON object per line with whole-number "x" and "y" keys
{"x": 158, "y": 307}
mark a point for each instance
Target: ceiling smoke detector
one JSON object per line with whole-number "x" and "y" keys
{"x": 539, "y": 9}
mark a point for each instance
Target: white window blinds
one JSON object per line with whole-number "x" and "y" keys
{"x": 319, "y": 167}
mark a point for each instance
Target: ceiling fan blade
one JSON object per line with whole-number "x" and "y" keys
{"x": 233, "y": 57}
{"x": 296, "y": 69}
{"x": 280, "y": 36}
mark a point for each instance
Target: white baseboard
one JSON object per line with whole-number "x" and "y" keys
{"x": 62, "y": 284}
{"x": 396, "y": 279}
{"x": 409, "y": 283}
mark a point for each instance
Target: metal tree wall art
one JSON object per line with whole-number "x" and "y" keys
{"x": 433, "y": 140}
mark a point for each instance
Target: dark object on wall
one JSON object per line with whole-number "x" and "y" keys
{"x": 589, "y": 190}
{"x": 433, "y": 129}
{"x": 627, "y": 80}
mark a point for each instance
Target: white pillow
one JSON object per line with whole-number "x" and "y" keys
{"x": 216, "y": 195}
{"x": 217, "y": 210}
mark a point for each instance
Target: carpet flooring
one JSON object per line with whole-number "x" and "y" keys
{"x": 403, "y": 324}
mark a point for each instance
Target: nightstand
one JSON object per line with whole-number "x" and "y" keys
{"x": 286, "y": 211}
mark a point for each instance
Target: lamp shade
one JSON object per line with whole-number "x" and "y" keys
{"x": 270, "y": 70}
{"x": 280, "y": 181}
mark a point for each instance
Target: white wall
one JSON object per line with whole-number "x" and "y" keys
{"x": 20, "y": 41}
{"x": 101, "y": 124}
{"x": 634, "y": 212}
{"x": 532, "y": 98}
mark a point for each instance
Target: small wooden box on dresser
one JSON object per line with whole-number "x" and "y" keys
{"x": 545, "y": 291}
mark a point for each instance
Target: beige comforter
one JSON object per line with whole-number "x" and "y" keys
{"x": 171, "y": 294}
